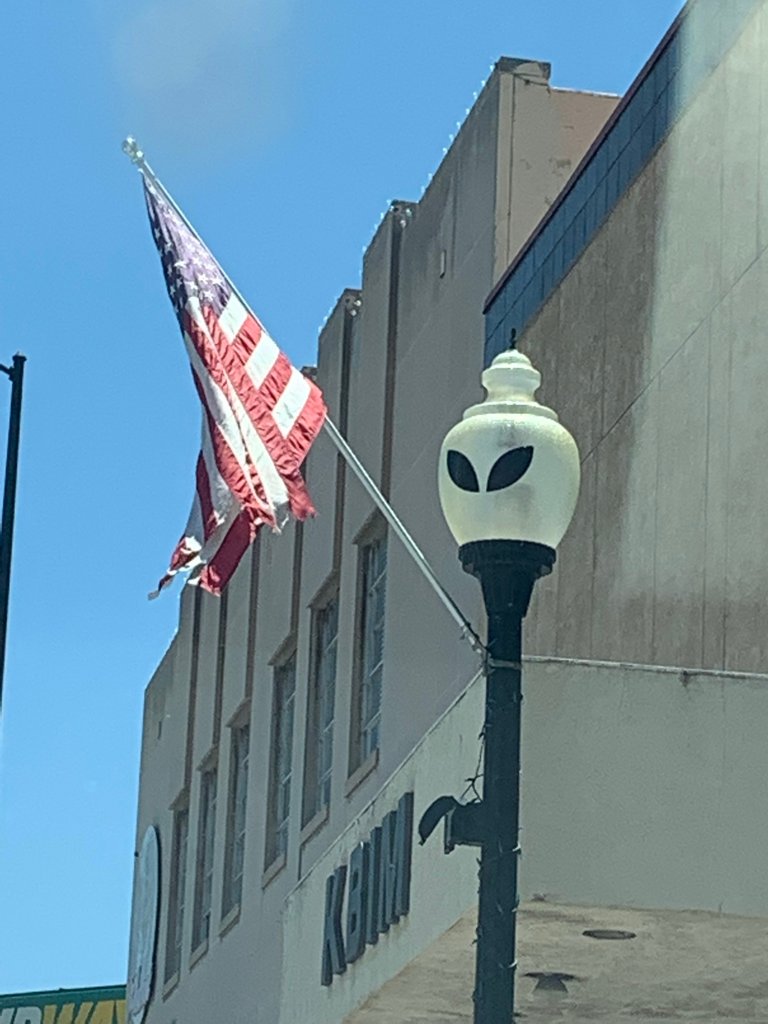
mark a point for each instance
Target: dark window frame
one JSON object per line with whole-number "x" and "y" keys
{"x": 174, "y": 933}
{"x": 321, "y": 696}
{"x": 281, "y": 755}
{"x": 365, "y": 719}
{"x": 237, "y": 813}
{"x": 205, "y": 855}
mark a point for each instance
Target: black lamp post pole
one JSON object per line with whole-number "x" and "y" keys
{"x": 507, "y": 571}
{"x": 16, "y": 375}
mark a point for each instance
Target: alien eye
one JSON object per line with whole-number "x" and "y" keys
{"x": 509, "y": 467}
{"x": 461, "y": 472}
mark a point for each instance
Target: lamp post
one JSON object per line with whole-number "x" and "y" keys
{"x": 508, "y": 481}
{"x": 15, "y": 373}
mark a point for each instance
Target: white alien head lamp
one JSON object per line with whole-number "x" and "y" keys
{"x": 509, "y": 470}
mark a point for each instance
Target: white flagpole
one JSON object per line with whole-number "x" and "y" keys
{"x": 136, "y": 155}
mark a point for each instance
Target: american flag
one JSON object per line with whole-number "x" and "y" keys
{"x": 260, "y": 414}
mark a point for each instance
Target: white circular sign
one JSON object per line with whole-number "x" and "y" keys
{"x": 146, "y": 904}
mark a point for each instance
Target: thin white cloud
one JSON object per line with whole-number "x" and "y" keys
{"x": 195, "y": 69}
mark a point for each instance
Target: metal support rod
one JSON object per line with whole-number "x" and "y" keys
{"x": 399, "y": 529}
{"x": 507, "y": 571}
{"x": 136, "y": 154}
{"x": 16, "y": 375}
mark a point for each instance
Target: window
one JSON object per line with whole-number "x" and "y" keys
{"x": 177, "y": 887}
{"x": 372, "y": 580}
{"x": 201, "y": 918}
{"x": 318, "y": 763}
{"x": 279, "y": 806}
{"x": 234, "y": 854}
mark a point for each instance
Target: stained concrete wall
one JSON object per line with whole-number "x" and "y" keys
{"x": 425, "y": 275}
{"x": 641, "y": 788}
{"x": 653, "y": 352}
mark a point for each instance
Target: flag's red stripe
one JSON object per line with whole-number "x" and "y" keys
{"x": 223, "y": 363}
{"x": 307, "y": 425}
{"x": 249, "y": 493}
{"x": 180, "y": 559}
{"x": 282, "y": 454}
{"x": 164, "y": 582}
{"x": 221, "y": 566}
{"x": 207, "y": 511}
{"x": 217, "y": 356}
{"x": 274, "y": 384}
{"x": 257, "y": 401}
{"x": 248, "y": 337}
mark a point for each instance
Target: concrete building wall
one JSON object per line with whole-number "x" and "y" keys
{"x": 641, "y": 788}
{"x": 653, "y": 352}
{"x": 538, "y": 170}
{"x": 413, "y": 340}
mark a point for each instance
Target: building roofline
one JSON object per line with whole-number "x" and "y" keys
{"x": 600, "y": 138}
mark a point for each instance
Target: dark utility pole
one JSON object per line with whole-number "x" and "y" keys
{"x": 507, "y": 571}
{"x": 16, "y": 375}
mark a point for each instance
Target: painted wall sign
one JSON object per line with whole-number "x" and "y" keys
{"x": 65, "y": 1006}
{"x": 146, "y": 905}
{"x": 377, "y": 884}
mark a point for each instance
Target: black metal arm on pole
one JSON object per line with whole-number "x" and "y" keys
{"x": 16, "y": 375}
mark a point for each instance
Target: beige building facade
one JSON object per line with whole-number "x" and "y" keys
{"x": 303, "y": 722}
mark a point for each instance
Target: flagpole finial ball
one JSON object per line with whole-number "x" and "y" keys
{"x": 132, "y": 150}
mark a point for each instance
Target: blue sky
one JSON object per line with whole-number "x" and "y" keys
{"x": 283, "y": 128}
